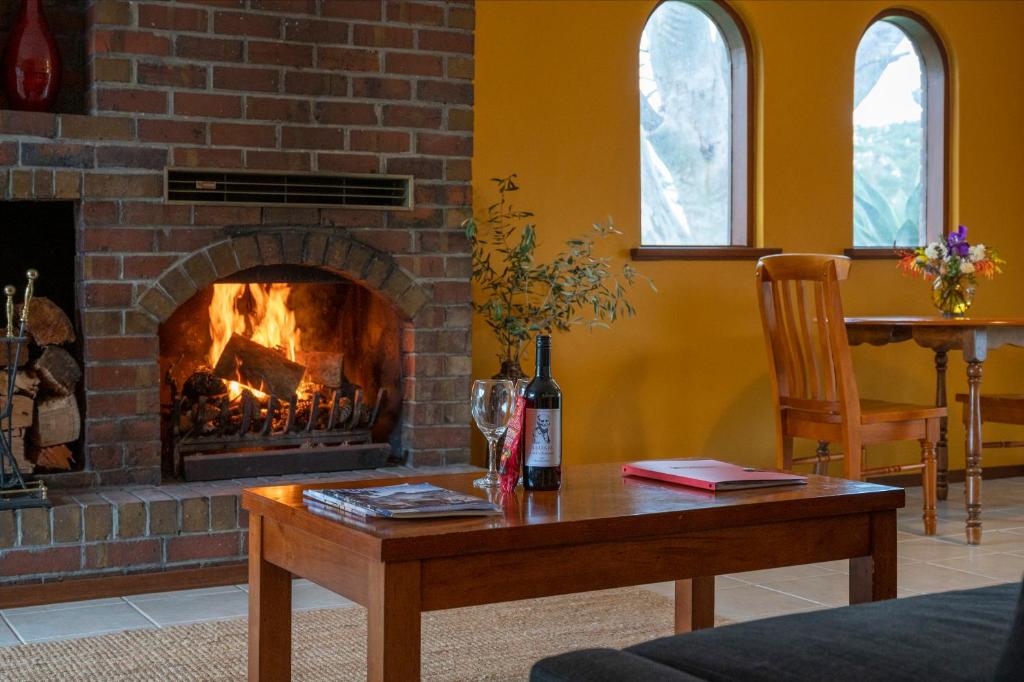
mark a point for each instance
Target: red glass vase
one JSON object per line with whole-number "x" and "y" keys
{"x": 31, "y": 61}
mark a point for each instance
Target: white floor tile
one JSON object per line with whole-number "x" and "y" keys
{"x": 784, "y": 573}
{"x": 934, "y": 578}
{"x": 194, "y": 606}
{"x": 7, "y": 636}
{"x": 65, "y": 605}
{"x": 307, "y": 596}
{"x": 198, "y": 592}
{"x": 39, "y": 626}
{"x": 751, "y": 602}
{"x": 832, "y": 589}
{"x": 1002, "y": 567}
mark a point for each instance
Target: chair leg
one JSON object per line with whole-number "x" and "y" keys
{"x": 821, "y": 466}
{"x": 786, "y": 454}
{"x": 929, "y": 484}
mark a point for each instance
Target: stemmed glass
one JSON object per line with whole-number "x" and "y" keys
{"x": 492, "y": 401}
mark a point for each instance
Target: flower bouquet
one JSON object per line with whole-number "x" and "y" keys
{"x": 952, "y": 265}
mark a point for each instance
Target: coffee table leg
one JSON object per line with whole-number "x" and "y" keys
{"x": 393, "y": 622}
{"x": 270, "y": 612}
{"x": 873, "y": 577}
{"x": 695, "y": 604}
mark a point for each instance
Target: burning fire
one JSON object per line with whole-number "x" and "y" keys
{"x": 269, "y": 322}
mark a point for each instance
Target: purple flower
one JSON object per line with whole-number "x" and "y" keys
{"x": 957, "y": 242}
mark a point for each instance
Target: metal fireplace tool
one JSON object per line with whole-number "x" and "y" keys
{"x": 15, "y": 492}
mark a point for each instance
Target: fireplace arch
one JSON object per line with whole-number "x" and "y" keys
{"x": 432, "y": 427}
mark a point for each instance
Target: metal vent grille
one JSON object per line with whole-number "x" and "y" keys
{"x": 290, "y": 189}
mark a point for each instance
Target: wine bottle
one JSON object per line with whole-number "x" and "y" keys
{"x": 542, "y": 425}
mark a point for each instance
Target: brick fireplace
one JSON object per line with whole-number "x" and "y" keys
{"x": 331, "y": 86}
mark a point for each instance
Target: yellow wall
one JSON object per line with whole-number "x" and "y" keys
{"x": 557, "y": 103}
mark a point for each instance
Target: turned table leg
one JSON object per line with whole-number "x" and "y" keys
{"x": 270, "y": 612}
{"x": 942, "y": 446}
{"x": 972, "y": 480}
{"x": 695, "y": 604}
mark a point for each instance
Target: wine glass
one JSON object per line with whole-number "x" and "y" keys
{"x": 492, "y": 401}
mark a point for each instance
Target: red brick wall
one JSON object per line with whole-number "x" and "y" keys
{"x": 370, "y": 86}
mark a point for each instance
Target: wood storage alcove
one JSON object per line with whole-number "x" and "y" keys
{"x": 277, "y": 370}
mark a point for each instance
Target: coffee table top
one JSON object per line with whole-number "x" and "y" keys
{"x": 596, "y": 503}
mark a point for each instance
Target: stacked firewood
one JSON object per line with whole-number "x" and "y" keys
{"x": 45, "y": 416}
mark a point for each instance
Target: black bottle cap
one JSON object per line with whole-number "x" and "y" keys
{"x": 543, "y": 341}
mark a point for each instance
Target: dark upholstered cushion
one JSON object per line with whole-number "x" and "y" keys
{"x": 949, "y": 636}
{"x": 1011, "y": 664}
{"x": 604, "y": 665}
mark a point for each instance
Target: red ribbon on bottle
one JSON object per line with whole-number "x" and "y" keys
{"x": 510, "y": 464}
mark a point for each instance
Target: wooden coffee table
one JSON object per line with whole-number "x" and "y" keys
{"x": 600, "y": 531}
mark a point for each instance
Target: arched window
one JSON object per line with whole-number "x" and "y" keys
{"x": 899, "y": 131}
{"x": 694, "y": 132}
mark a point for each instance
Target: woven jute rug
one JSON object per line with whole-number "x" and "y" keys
{"x": 497, "y": 642}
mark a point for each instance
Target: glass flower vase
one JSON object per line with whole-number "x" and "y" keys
{"x": 952, "y": 296}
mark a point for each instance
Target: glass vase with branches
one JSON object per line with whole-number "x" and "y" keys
{"x": 519, "y": 295}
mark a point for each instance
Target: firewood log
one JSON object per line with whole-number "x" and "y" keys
{"x": 58, "y": 371}
{"x": 25, "y": 465}
{"x": 322, "y": 367}
{"x": 258, "y": 367}
{"x": 57, "y": 421}
{"x": 48, "y": 324}
{"x": 55, "y": 457}
{"x": 7, "y": 352}
{"x": 26, "y": 382}
{"x": 21, "y": 412}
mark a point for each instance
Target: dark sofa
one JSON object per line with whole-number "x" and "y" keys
{"x": 966, "y": 635}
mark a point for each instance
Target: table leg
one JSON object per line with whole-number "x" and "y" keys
{"x": 873, "y": 577}
{"x": 942, "y": 446}
{"x": 972, "y": 480}
{"x": 270, "y": 612}
{"x": 695, "y": 604}
{"x": 393, "y": 622}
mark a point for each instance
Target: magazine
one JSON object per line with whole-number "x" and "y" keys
{"x": 402, "y": 501}
{"x": 709, "y": 474}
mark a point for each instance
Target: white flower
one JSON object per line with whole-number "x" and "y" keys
{"x": 935, "y": 251}
{"x": 977, "y": 253}
{"x": 967, "y": 267}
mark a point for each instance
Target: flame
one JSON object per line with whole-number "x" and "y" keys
{"x": 270, "y": 322}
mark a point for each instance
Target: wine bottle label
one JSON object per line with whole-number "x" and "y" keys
{"x": 542, "y": 431}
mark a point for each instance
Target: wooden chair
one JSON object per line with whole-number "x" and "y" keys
{"x": 999, "y": 409}
{"x": 812, "y": 378}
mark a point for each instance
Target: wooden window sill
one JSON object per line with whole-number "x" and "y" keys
{"x": 701, "y": 252}
{"x": 871, "y": 253}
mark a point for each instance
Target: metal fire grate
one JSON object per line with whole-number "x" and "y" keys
{"x": 263, "y": 437}
{"x": 350, "y": 190}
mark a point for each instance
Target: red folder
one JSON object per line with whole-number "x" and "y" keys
{"x": 709, "y": 474}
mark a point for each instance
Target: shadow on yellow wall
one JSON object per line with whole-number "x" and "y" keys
{"x": 557, "y": 103}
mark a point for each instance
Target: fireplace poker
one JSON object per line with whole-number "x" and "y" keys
{"x": 16, "y": 493}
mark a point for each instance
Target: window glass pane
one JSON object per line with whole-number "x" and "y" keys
{"x": 888, "y": 140}
{"x": 685, "y": 129}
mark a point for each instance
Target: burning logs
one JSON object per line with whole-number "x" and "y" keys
{"x": 258, "y": 367}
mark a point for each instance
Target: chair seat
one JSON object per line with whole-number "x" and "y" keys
{"x": 878, "y": 411}
{"x": 873, "y": 412}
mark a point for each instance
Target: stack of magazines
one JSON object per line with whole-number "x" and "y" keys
{"x": 403, "y": 501}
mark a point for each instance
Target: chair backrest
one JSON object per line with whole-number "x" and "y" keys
{"x": 802, "y": 314}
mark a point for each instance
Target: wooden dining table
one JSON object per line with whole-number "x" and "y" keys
{"x": 974, "y": 337}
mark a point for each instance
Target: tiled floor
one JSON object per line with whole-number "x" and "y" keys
{"x": 943, "y": 562}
